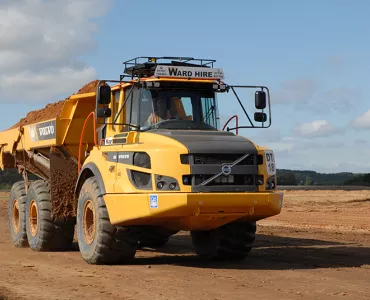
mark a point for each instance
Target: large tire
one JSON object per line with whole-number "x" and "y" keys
{"x": 43, "y": 233}
{"x": 99, "y": 241}
{"x": 232, "y": 241}
{"x": 17, "y": 214}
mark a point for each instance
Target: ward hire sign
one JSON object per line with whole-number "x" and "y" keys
{"x": 194, "y": 72}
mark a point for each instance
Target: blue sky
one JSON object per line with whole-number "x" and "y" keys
{"x": 313, "y": 56}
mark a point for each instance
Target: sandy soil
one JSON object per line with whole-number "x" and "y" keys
{"x": 317, "y": 248}
{"x": 52, "y": 110}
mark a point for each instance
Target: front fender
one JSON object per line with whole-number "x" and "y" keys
{"x": 89, "y": 170}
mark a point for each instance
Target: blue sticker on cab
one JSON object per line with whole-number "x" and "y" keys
{"x": 153, "y": 201}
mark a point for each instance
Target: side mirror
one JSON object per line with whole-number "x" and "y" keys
{"x": 260, "y": 117}
{"x": 104, "y": 94}
{"x": 104, "y": 112}
{"x": 260, "y": 100}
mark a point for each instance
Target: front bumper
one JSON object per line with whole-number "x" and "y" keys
{"x": 191, "y": 211}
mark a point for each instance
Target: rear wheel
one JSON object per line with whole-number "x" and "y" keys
{"x": 99, "y": 241}
{"x": 232, "y": 241}
{"x": 43, "y": 233}
{"x": 17, "y": 214}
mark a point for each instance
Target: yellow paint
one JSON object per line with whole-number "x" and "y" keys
{"x": 189, "y": 211}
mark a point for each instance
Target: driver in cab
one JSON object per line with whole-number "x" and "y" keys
{"x": 161, "y": 112}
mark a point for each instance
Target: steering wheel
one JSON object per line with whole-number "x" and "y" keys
{"x": 175, "y": 118}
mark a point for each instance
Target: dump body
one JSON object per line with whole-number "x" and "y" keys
{"x": 49, "y": 149}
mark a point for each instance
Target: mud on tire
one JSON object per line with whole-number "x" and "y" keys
{"x": 43, "y": 233}
{"x": 17, "y": 214}
{"x": 232, "y": 241}
{"x": 99, "y": 241}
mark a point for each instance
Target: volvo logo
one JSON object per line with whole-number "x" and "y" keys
{"x": 226, "y": 170}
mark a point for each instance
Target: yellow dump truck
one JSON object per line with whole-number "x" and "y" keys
{"x": 139, "y": 159}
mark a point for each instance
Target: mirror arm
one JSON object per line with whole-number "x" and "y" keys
{"x": 237, "y": 97}
{"x": 97, "y": 93}
{"x": 124, "y": 103}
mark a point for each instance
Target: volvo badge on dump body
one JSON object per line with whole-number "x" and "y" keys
{"x": 226, "y": 170}
{"x": 42, "y": 131}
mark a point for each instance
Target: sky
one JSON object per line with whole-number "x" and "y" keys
{"x": 312, "y": 55}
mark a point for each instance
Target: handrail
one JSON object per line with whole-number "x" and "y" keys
{"x": 237, "y": 123}
{"x": 82, "y": 135}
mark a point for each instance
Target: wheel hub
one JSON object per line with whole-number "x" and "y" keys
{"x": 16, "y": 221}
{"x": 88, "y": 222}
{"x": 33, "y": 218}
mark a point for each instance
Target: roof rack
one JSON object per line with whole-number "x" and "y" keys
{"x": 144, "y": 66}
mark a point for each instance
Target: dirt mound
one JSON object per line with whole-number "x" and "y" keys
{"x": 88, "y": 88}
{"x": 52, "y": 110}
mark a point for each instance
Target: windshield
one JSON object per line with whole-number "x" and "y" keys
{"x": 177, "y": 109}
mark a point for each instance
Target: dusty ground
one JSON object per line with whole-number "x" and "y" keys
{"x": 317, "y": 248}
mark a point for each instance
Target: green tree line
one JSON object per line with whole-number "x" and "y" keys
{"x": 9, "y": 176}
{"x": 297, "y": 177}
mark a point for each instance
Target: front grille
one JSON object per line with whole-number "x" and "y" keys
{"x": 243, "y": 176}
{"x": 224, "y": 180}
{"x": 216, "y": 159}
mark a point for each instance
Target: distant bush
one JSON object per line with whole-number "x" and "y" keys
{"x": 10, "y": 176}
{"x": 308, "y": 178}
{"x": 363, "y": 179}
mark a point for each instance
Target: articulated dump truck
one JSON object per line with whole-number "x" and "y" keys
{"x": 135, "y": 160}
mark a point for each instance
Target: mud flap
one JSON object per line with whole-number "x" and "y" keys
{"x": 63, "y": 178}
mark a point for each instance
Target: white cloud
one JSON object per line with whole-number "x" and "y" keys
{"x": 308, "y": 94}
{"x": 318, "y": 128}
{"x": 48, "y": 82}
{"x": 335, "y": 153}
{"x": 296, "y": 91}
{"x": 361, "y": 141}
{"x": 363, "y": 121}
{"x": 335, "y": 62}
{"x": 339, "y": 99}
{"x": 40, "y": 45}
{"x": 328, "y": 156}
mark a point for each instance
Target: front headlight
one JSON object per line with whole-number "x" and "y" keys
{"x": 271, "y": 183}
{"x": 166, "y": 183}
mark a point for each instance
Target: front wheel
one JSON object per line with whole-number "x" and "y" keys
{"x": 99, "y": 241}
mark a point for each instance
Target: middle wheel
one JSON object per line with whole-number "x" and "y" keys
{"x": 43, "y": 233}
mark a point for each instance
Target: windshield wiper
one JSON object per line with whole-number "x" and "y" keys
{"x": 209, "y": 113}
{"x": 148, "y": 127}
{"x": 190, "y": 125}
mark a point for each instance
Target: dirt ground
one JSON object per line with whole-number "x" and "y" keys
{"x": 317, "y": 248}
